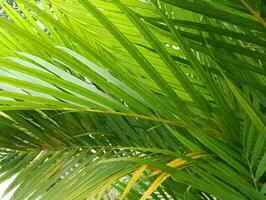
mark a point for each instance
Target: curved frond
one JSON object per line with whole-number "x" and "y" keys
{"x": 109, "y": 99}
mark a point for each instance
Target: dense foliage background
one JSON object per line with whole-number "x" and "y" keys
{"x": 135, "y": 99}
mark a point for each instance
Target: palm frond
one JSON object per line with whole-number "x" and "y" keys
{"x": 130, "y": 99}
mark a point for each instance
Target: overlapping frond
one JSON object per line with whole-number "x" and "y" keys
{"x": 127, "y": 99}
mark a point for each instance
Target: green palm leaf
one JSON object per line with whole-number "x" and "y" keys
{"x": 133, "y": 99}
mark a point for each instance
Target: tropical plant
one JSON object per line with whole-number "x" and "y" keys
{"x": 135, "y": 99}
